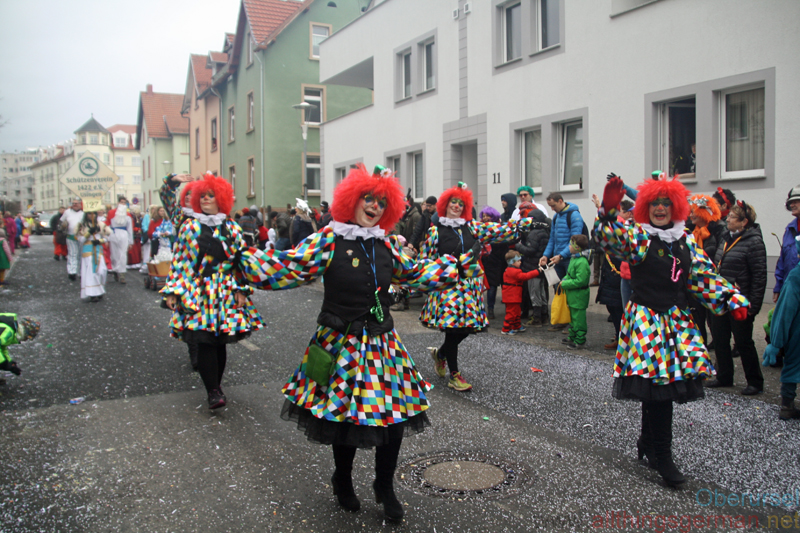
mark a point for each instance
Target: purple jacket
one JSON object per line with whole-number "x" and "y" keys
{"x": 788, "y": 258}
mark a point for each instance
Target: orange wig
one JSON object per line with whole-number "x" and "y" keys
{"x": 221, "y": 189}
{"x": 705, "y": 207}
{"x": 461, "y": 192}
{"x": 361, "y": 182}
{"x": 649, "y": 190}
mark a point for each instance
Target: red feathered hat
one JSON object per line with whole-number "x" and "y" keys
{"x": 673, "y": 189}
{"x": 705, "y": 207}
{"x": 461, "y": 192}
{"x": 381, "y": 184}
{"x": 219, "y": 186}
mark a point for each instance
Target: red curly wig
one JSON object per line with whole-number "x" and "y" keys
{"x": 673, "y": 189}
{"x": 186, "y": 190}
{"x": 463, "y": 194}
{"x": 705, "y": 207}
{"x": 361, "y": 182}
{"x": 219, "y": 186}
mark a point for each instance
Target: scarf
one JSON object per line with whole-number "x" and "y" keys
{"x": 701, "y": 234}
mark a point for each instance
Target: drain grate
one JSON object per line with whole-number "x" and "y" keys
{"x": 462, "y": 475}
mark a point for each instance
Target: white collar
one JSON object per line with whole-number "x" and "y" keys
{"x": 211, "y": 220}
{"x": 351, "y": 232}
{"x": 189, "y": 212}
{"x": 667, "y": 235}
{"x": 452, "y": 222}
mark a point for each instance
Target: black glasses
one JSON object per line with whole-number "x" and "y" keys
{"x": 369, "y": 199}
{"x": 456, "y": 201}
{"x": 666, "y": 202}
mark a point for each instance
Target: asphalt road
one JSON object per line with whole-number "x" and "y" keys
{"x": 143, "y": 453}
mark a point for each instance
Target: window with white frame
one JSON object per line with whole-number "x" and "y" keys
{"x": 314, "y": 114}
{"x": 136, "y": 160}
{"x": 121, "y": 179}
{"x": 251, "y": 177}
{"x": 119, "y": 160}
{"x": 319, "y": 32}
{"x": 313, "y": 172}
{"x": 231, "y": 123}
{"x": 232, "y": 177}
{"x": 405, "y": 66}
{"x": 418, "y": 176}
{"x": 106, "y": 158}
{"x": 137, "y": 179}
{"x": 394, "y": 164}
{"x": 742, "y": 128}
{"x": 197, "y": 142}
{"x": 570, "y": 150}
{"x": 531, "y": 163}
{"x": 213, "y": 134}
{"x": 428, "y": 70}
{"x": 512, "y": 32}
{"x": 341, "y": 173}
{"x": 93, "y": 139}
{"x": 121, "y": 142}
{"x": 250, "y": 111}
{"x": 548, "y": 23}
{"x": 249, "y": 48}
{"x": 677, "y": 134}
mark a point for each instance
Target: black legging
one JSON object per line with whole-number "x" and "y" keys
{"x": 211, "y": 361}
{"x": 385, "y": 456}
{"x": 449, "y": 349}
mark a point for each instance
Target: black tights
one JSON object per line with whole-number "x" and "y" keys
{"x": 449, "y": 349}
{"x": 211, "y": 361}
{"x": 385, "y": 458}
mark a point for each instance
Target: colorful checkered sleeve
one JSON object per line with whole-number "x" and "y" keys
{"x": 424, "y": 275}
{"x": 628, "y": 243}
{"x": 708, "y": 287}
{"x": 169, "y": 199}
{"x": 184, "y": 256}
{"x": 498, "y": 232}
{"x": 274, "y": 270}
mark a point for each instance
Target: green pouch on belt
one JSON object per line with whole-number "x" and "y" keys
{"x": 320, "y": 363}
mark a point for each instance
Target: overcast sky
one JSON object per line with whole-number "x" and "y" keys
{"x": 61, "y": 61}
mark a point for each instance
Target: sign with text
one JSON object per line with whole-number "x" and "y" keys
{"x": 90, "y": 179}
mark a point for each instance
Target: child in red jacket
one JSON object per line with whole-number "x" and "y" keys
{"x": 513, "y": 278}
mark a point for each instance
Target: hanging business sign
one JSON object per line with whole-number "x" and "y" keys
{"x": 90, "y": 179}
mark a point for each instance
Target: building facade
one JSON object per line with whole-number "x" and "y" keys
{"x": 557, "y": 94}
{"x": 201, "y": 106}
{"x": 16, "y": 179}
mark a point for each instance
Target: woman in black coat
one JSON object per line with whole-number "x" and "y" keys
{"x": 741, "y": 258}
{"x": 532, "y": 246}
{"x": 494, "y": 263}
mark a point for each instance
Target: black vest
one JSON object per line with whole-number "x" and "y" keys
{"x": 651, "y": 280}
{"x": 449, "y": 242}
{"x": 350, "y": 286}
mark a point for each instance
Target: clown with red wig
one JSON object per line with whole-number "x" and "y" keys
{"x": 178, "y": 208}
{"x": 704, "y": 216}
{"x": 205, "y": 287}
{"x": 459, "y": 311}
{"x": 373, "y": 395}
{"x": 661, "y": 357}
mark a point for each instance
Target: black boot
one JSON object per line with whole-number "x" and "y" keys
{"x": 788, "y": 410}
{"x": 644, "y": 445}
{"x": 342, "y": 481}
{"x": 385, "y": 465}
{"x": 659, "y": 415}
{"x": 193, "y": 355}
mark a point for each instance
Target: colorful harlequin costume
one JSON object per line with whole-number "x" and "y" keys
{"x": 660, "y": 353}
{"x": 459, "y": 310}
{"x": 178, "y": 209}
{"x": 374, "y": 394}
{"x": 205, "y": 277}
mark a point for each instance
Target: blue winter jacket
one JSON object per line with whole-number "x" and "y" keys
{"x": 788, "y": 258}
{"x": 560, "y": 234}
{"x": 785, "y": 329}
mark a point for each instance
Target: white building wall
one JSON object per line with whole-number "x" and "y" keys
{"x": 605, "y": 70}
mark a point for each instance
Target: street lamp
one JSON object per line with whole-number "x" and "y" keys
{"x": 304, "y": 128}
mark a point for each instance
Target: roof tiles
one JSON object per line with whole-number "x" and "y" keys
{"x": 266, "y": 16}
{"x": 162, "y": 114}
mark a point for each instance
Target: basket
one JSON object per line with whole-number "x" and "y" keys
{"x": 159, "y": 269}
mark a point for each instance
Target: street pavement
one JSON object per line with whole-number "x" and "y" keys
{"x": 143, "y": 453}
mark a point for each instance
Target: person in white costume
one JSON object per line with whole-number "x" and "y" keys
{"x": 70, "y": 220}
{"x": 121, "y": 238}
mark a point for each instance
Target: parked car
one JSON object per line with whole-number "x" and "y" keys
{"x": 43, "y": 224}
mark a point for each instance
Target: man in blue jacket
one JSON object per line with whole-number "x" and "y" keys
{"x": 567, "y": 222}
{"x": 788, "y": 258}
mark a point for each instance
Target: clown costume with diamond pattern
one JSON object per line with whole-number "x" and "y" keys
{"x": 663, "y": 345}
{"x": 375, "y": 383}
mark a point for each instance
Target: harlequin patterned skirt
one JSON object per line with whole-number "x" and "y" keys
{"x": 459, "y": 307}
{"x": 374, "y": 387}
{"x": 660, "y": 356}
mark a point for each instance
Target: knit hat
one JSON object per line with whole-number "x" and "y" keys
{"x": 528, "y": 189}
{"x": 27, "y": 328}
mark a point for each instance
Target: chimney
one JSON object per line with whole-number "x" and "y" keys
{"x": 149, "y": 88}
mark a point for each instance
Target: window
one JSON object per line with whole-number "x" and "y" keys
{"x": 137, "y": 179}
{"x": 232, "y": 177}
{"x": 319, "y": 33}
{"x": 548, "y": 23}
{"x": 119, "y": 160}
{"x": 121, "y": 142}
{"x": 251, "y": 177}
{"x": 136, "y": 160}
{"x": 418, "y": 176}
{"x": 196, "y": 143}
{"x": 313, "y": 173}
{"x": 106, "y": 158}
{"x": 213, "y": 134}
{"x": 93, "y": 139}
{"x": 250, "y": 47}
{"x": 428, "y": 56}
{"x": 532, "y": 159}
{"x": 250, "y": 112}
{"x": 121, "y": 179}
{"x": 394, "y": 164}
{"x": 149, "y": 174}
{"x": 512, "y": 32}
{"x": 406, "y": 68}
{"x": 570, "y": 152}
{"x": 742, "y": 117}
{"x": 231, "y": 124}
{"x": 341, "y": 173}
{"x": 313, "y": 96}
{"x": 677, "y": 135}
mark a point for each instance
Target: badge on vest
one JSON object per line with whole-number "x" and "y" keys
{"x": 661, "y": 252}
{"x": 355, "y": 262}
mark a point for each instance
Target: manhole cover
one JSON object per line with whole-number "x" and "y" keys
{"x": 464, "y": 475}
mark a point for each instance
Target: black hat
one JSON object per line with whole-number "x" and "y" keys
{"x": 430, "y": 200}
